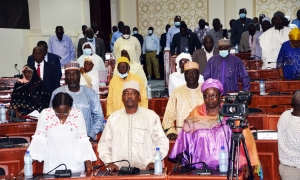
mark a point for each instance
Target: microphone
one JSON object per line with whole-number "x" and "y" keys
{"x": 166, "y": 130}
{"x": 19, "y": 75}
{"x": 123, "y": 170}
{"x": 252, "y": 57}
{"x": 62, "y": 173}
{"x": 276, "y": 105}
{"x": 6, "y": 144}
{"x": 271, "y": 62}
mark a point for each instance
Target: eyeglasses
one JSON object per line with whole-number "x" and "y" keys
{"x": 62, "y": 114}
{"x": 210, "y": 96}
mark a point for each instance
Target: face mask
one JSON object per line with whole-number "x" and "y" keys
{"x": 122, "y": 75}
{"x": 135, "y": 32}
{"x": 177, "y": 24}
{"x": 87, "y": 51}
{"x": 242, "y": 15}
{"x": 90, "y": 40}
{"x": 125, "y": 36}
{"x": 223, "y": 53}
{"x": 150, "y": 31}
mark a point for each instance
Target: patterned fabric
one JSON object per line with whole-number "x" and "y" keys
{"x": 72, "y": 65}
{"x": 288, "y": 142}
{"x": 56, "y": 143}
{"x": 289, "y": 60}
{"x": 30, "y": 96}
{"x": 201, "y": 33}
{"x": 88, "y": 102}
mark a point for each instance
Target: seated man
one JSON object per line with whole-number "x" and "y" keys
{"x": 84, "y": 98}
{"x": 132, "y": 133}
{"x": 115, "y": 90}
{"x": 247, "y": 39}
{"x": 227, "y": 68}
{"x": 205, "y": 131}
{"x": 183, "y": 99}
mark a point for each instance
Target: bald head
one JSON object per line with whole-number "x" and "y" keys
{"x": 296, "y": 100}
{"x": 38, "y": 54}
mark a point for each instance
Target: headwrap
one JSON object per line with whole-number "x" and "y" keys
{"x": 287, "y": 17}
{"x": 123, "y": 59}
{"x": 131, "y": 85}
{"x": 278, "y": 13}
{"x": 92, "y": 47}
{"x": 72, "y": 65}
{"x": 294, "y": 34}
{"x": 209, "y": 83}
{"x": 224, "y": 42}
{"x": 191, "y": 65}
{"x": 182, "y": 56}
{"x": 89, "y": 58}
{"x": 266, "y": 19}
{"x": 24, "y": 80}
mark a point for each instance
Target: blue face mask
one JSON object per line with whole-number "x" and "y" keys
{"x": 87, "y": 51}
{"x": 122, "y": 75}
{"x": 89, "y": 39}
{"x": 223, "y": 53}
{"x": 242, "y": 15}
{"x": 135, "y": 32}
{"x": 177, "y": 24}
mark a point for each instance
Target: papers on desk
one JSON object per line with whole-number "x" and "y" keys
{"x": 5, "y": 96}
{"x": 34, "y": 115}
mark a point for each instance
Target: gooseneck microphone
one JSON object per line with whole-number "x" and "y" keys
{"x": 123, "y": 170}
{"x": 276, "y": 105}
{"x": 166, "y": 130}
{"x": 19, "y": 75}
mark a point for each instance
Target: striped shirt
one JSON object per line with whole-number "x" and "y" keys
{"x": 88, "y": 102}
{"x": 289, "y": 139}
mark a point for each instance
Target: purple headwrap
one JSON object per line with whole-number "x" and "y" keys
{"x": 212, "y": 83}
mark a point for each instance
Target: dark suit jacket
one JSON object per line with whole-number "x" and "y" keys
{"x": 199, "y": 56}
{"x": 237, "y": 30}
{"x": 100, "y": 47}
{"x": 140, "y": 38}
{"x": 52, "y": 59}
{"x": 51, "y": 78}
{"x": 163, "y": 41}
{"x": 193, "y": 43}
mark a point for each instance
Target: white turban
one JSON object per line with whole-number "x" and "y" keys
{"x": 182, "y": 56}
{"x": 93, "y": 50}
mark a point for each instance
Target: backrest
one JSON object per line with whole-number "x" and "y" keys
{"x": 3, "y": 170}
{"x": 16, "y": 139}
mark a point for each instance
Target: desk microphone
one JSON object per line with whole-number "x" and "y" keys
{"x": 63, "y": 173}
{"x": 252, "y": 57}
{"x": 271, "y": 62}
{"x": 276, "y": 105}
{"x": 166, "y": 130}
{"x": 6, "y": 144}
{"x": 123, "y": 170}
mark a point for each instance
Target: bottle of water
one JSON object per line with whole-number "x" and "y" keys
{"x": 27, "y": 165}
{"x": 2, "y": 114}
{"x": 223, "y": 163}
{"x": 236, "y": 48}
{"x": 157, "y": 162}
{"x": 262, "y": 88}
{"x": 149, "y": 93}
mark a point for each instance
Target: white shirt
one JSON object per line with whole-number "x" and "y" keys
{"x": 133, "y": 137}
{"x": 41, "y": 68}
{"x": 208, "y": 55}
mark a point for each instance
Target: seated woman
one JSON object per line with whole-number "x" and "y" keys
{"x": 89, "y": 75}
{"x": 177, "y": 78}
{"x": 61, "y": 137}
{"x": 135, "y": 65}
{"x": 88, "y": 50}
{"x": 205, "y": 131}
{"x": 29, "y": 93}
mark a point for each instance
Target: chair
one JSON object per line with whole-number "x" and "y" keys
{"x": 3, "y": 170}
{"x": 15, "y": 139}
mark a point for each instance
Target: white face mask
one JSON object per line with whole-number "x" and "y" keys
{"x": 122, "y": 75}
{"x": 150, "y": 31}
{"x": 126, "y": 36}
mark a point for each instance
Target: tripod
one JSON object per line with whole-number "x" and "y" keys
{"x": 233, "y": 162}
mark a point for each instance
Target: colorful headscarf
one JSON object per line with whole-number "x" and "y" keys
{"x": 72, "y": 65}
{"x": 123, "y": 59}
{"x": 294, "y": 34}
{"x": 209, "y": 83}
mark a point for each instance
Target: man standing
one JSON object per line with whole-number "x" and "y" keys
{"x": 97, "y": 43}
{"x": 116, "y": 35}
{"x": 297, "y": 20}
{"x": 132, "y": 133}
{"x": 151, "y": 52}
{"x": 127, "y": 40}
{"x": 216, "y": 33}
{"x": 84, "y": 98}
{"x": 114, "y": 102}
{"x": 163, "y": 38}
{"x": 227, "y": 68}
{"x": 138, "y": 36}
{"x": 201, "y": 30}
{"x": 163, "y": 42}
{"x": 83, "y": 28}
{"x": 46, "y": 71}
{"x": 288, "y": 141}
{"x": 173, "y": 30}
{"x": 247, "y": 39}
{"x": 61, "y": 45}
{"x": 184, "y": 41}
{"x": 239, "y": 26}
{"x": 271, "y": 40}
{"x": 183, "y": 100}
{"x": 201, "y": 56}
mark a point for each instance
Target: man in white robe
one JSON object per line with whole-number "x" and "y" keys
{"x": 272, "y": 39}
{"x": 127, "y": 40}
{"x": 132, "y": 133}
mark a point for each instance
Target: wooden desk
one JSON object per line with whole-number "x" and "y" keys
{"x": 132, "y": 177}
{"x": 18, "y": 129}
{"x": 270, "y": 100}
{"x": 271, "y": 86}
{"x": 200, "y": 177}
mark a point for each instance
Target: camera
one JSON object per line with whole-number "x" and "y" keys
{"x": 236, "y": 105}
